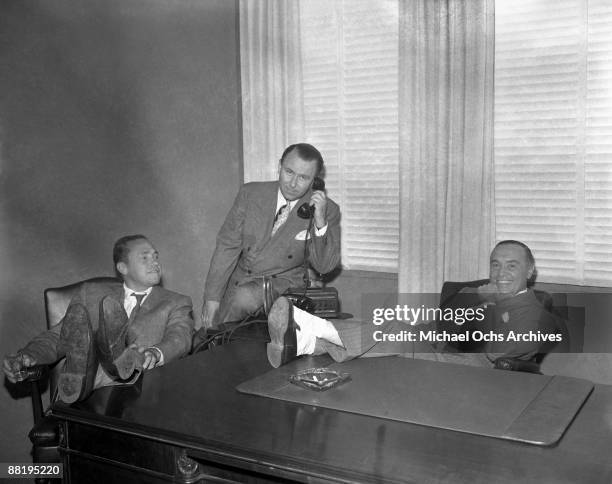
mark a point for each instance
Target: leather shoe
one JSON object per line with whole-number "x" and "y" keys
{"x": 282, "y": 328}
{"x": 77, "y": 377}
{"x": 117, "y": 359}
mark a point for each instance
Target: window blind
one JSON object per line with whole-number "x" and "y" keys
{"x": 350, "y": 72}
{"x": 598, "y": 156}
{"x": 553, "y": 62}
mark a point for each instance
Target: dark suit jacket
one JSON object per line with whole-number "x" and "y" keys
{"x": 520, "y": 314}
{"x": 246, "y": 250}
{"x": 165, "y": 320}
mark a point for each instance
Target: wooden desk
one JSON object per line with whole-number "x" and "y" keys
{"x": 191, "y": 408}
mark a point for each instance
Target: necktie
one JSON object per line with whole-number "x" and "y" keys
{"x": 136, "y": 310}
{"x": 281, "y": 217}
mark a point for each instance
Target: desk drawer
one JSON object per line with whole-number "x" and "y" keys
{"x": 91, "y": 471}
{"x": 122, "y": 448}
{"x": 97, "y": 455}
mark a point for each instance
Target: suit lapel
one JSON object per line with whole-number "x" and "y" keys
{"x": 152, "y": 300}
{"x": 294, "y": 223}
{"x": 148, "y": 304}
{"x": 269, "y": 209}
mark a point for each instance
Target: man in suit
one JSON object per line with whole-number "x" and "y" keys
{"x": 263, "y": 239}
{"x": 507, "y": 305}
{"x": 112, "y": 330}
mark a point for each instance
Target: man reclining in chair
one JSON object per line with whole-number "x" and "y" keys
{"x": 507, "y": 303}
{"x": 112, "y": 331}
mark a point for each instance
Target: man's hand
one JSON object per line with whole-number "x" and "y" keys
{"x": 319, "y": 200}
{"x": 151, "y": 356}
{"x": 14, "y": 364}
{"x": 488, "y": 293}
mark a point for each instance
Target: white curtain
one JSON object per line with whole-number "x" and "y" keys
{"x": 272, "y": 111}
{"x": 446, "y": 133}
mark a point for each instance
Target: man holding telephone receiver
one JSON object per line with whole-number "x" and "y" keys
{"x": 262, "y": 240}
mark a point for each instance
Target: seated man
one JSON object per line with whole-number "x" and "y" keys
{"x": 263, "y": 238}
{"x": 508, "y": 305}
{"x": 112, "y": 330}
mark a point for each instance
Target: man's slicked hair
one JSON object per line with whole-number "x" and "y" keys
{"x": 122, "y": 249}
{"x": 306, "y": 152}
{"x": 528, "y": 253}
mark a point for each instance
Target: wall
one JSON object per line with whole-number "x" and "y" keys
{"x": 353, "y": 285}
{"x": 116, "y": 117}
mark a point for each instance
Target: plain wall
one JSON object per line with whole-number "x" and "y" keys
{"x": 116, "y": 117}
{"x": 353, "y": 285}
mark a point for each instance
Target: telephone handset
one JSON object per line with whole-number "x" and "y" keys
{"x": 306, "y": 210}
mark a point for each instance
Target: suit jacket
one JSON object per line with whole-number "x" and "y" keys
{"x": 246, "y": 250}
{"x": 165, "y": 320}
{"x": 520, "y": 314}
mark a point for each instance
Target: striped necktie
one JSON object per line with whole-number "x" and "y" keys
{"x": 281, "y": 217}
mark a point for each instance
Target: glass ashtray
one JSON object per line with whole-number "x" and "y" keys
{"x": 319, "y": 379}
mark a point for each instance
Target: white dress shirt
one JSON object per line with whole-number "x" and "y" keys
{"x": 129, "y": 302}
{"x": 281, "y": 201}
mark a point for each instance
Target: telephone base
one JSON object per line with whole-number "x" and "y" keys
{"x": 324, "y": 299}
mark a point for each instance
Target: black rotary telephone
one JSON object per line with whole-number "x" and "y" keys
{"x": 306, "y": 210}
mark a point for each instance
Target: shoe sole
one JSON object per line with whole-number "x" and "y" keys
{"x": 109, "y": 343}
{"x": 112, "y": 312}
{"x": 279, "y": 316}
{"x": 128, "y": 362}
{"x": 275, "y": 354}
{"x": 75, "y": 340}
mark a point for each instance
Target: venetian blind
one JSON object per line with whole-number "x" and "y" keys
{"x": 350, "y": 75}
{"x": 553, "y": 121}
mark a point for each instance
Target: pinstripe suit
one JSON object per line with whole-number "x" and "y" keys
{"x": 246, "y": 251}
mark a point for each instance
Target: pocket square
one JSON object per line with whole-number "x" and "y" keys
{"x": 301, "y": 235}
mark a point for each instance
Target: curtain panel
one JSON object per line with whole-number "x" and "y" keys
{"x": 271, "y": 66}
{"x": 446, "y": 148}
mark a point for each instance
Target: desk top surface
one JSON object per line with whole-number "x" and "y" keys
{"x": 193, "y": 403}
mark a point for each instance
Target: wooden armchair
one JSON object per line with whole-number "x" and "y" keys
{"x": 45, "y": 433}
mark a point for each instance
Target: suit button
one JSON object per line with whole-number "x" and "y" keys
{"x": 290, "y": 256}
{"x": 249, "y": 271}
{"x": 248, "y": 249}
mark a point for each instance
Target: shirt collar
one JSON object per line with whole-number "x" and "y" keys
{"x": 280, "y": 201}
{"x": 128, "y": 291}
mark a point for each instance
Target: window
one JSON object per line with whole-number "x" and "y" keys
{"x": 350, "y": 59}
{"x": 553, "y": 128}
{"x": 553, "y": 134}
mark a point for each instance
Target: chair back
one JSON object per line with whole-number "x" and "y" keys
{"x": 559, "y": 309}
{"x": 57, "y": 300}
{"x": 450, "y": 288}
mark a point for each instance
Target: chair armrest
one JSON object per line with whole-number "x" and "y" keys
{"x": 514, "y": 364}
{"x": 32, "y": 374}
